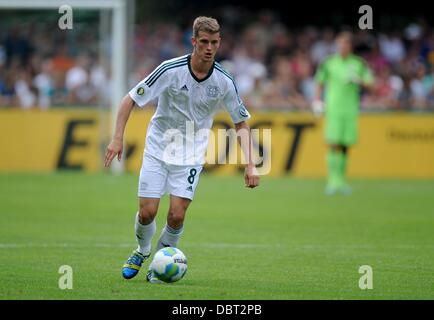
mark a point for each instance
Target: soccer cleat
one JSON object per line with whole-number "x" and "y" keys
{"x": 152, "y": 278}
{"x": 331, "y": 190}
{"x": 131, "y": 268}
{"x": 345, "y": 189}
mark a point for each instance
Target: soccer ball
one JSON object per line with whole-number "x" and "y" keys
{"x": 169, "y": 264}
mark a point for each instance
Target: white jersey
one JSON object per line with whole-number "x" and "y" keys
{"x": 185, "y": 106}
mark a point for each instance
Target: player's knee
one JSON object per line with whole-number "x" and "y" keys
{"x": 147, "y": 213}
{"x": 335, "y": 147}
{"x": 176, "y": 216}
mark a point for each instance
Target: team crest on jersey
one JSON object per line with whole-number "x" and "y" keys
{"x": 140, "y": 91}
{"x": 243, "y": 111}
{"x": 212, "y": 91}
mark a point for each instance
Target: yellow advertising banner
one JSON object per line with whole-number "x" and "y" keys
{"x": 390, "y": 145}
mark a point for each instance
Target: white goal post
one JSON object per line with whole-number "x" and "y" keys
{"x": 119, "y": 43}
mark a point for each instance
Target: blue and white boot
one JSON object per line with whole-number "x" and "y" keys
{"x": 131, "y": 268}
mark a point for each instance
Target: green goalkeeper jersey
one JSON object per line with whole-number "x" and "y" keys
{"x": 340, "y": 76}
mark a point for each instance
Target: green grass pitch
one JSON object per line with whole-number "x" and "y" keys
{"x": 283, "y": 240}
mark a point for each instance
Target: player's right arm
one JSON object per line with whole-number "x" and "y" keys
{"x": 320, "y": 78}
{"x": 145, "y": 91}
{"x": 116, "y": 145}
{"x": 317, "y": 103}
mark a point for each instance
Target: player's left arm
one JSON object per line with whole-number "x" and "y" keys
{"x": 239, "y": 114}
{"x": 365, "y": 77}
{"x": 251, "y": 176}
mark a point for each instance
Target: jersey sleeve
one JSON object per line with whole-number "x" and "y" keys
{"x": 234, "y": 105}
{"x": 321, "y": 74}
{"x": 149, "y": 88}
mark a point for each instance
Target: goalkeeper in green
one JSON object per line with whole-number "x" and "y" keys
{"x": 341, "y": 76}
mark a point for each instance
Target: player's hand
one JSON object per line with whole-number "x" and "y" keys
{"x": 355, "y": 79}
{"x": 114, "y": 149}
{"x": 317, "y": 107}
{"x": 251, "y": 176}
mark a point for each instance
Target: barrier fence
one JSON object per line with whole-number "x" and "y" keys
{"x": 390, "y": 145}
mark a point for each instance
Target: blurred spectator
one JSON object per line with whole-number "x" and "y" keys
{"x": 25, "y": 90}
{"x": 81, "y": 89}
{"x": 100, "y": 80}
{"x": 256, "y": 100}
{"x": 405, "y": 99}
{"x": 43, "y": 82}
{"x": 392, "y": 47}
{"x": 17, "y": 45}
{"x": 59, "y": 90}
{"x": 77, "y": 75}
{"x": 62, "y": 62}
{"x": 281, "y": 44}
{"x": 420, "y": 88}
{"x": 323, "y": 47}
{"x": 386, "y": 90}
{"x": 245, "y": 70}
{"x": 376, "y": 61}
{"x": 281, "y": 91}
{"x": 8, "y": 96}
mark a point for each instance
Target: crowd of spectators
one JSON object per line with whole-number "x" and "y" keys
{"x": 273, "y": 65}
{"x": 40, "y": 68}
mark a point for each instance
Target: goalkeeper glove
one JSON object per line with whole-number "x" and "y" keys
{"x": 317, "y": 107}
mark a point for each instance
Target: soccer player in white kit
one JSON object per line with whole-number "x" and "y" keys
{"x": 190, "y": 90}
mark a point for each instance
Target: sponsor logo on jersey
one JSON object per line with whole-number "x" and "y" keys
{"x": 190, "y": 188}
{"x": 212, "y": 91}
{"x": 140, "y": 91}
{"x": 184, "y": 88}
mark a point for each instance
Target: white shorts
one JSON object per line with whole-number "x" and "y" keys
{"x": 158, "y": 178}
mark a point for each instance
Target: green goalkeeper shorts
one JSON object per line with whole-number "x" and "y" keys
{"x": 341, "y": 129}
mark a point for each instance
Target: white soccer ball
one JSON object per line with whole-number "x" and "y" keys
{"x": 169, "y": 264}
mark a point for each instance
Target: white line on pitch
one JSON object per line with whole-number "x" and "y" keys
{"x": 217, "y": 246}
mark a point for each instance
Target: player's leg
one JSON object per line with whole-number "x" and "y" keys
{"x": 333, "y": 176}
{"x": 145, "y": 225}
{"x": 174, "y": 227}
{"x": 145, "y": 228}
{"x": 344, "y": 186}
{"x": 152, "y": 182}
{"x": 333, "y": 135}
{"x": 350, "y": 137}
{"x": 181, "y": 185}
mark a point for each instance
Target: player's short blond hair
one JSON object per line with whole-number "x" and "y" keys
{"x": 206, "y": 24}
